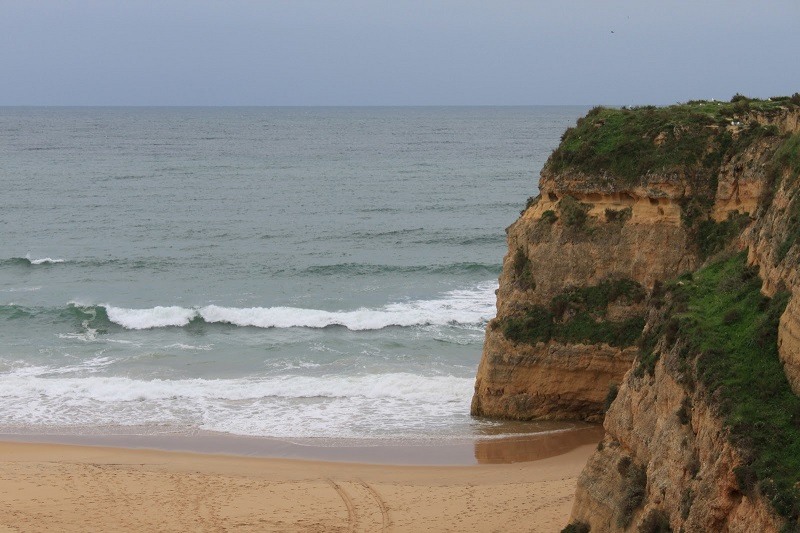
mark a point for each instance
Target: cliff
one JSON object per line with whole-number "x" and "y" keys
{"x": 623, "y": 289}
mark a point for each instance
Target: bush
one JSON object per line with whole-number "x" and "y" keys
{"x": 549, "y": 217}
{"x": 523, "y": 271}
{"x": 713, "y": 237}
{"x": 656, "y": 521}
{"x": 536, "y": 325}
{"x": 619, "y": 215}
{"x": 634, "y": 486}
{"x": 746, "y": 478}
{"x": 687, "y": 499}
{"x": 577, "y": 527}
{"x": 532, "y": 200}
{"x": 573, "y": 212}
{"x": 685, "y": 411}
{"x": 731, "y": 317}
{"x": 647, "y": 364}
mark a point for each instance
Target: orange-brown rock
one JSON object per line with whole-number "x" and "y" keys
{"x": 649, "y": 244}
{"x": 689, "y": 463}
{"x": 547, "y": 381}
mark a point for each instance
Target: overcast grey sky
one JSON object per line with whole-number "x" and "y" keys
{"x": 398, "y": 52}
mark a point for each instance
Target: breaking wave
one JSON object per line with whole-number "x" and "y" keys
{"x": 29, "y": 261}
{"x": 461, "y": 307}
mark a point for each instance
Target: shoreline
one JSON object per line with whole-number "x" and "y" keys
{"x": 461, "y": 452}
{"x": 69, "y": 487}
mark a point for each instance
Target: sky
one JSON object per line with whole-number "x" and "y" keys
{"x": 398, "y": 52}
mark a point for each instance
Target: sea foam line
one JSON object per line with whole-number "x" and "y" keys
{"x": 286, "y": 406}
{"x": 465, "y": 306}
{"x": 29, "y": 381}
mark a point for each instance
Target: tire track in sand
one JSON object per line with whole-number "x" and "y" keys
{"x": 385, "y": 520}
{"x": 351, "y": 510}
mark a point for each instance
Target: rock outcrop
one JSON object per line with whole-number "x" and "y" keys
{"x": 631, "y": 200}
{"x": 552, "y": 378}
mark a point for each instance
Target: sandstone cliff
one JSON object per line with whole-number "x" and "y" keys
{"x": 630, "y": 195}
{"x": 631, "y": 200}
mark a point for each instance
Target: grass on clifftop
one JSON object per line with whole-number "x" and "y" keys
{"x": 731, "y": 332}
{"x": 628, "y": 143}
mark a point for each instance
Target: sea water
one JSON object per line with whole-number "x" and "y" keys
{"x": 304, "y": 273}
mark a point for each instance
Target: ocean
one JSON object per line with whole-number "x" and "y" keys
{"x": 295, "y": 273}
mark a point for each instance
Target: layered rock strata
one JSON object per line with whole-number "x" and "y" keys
{"x": 555, "y": 379}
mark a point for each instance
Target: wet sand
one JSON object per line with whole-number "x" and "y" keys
{"x": 62, "y": 487}
{"x": 441, "y": 453}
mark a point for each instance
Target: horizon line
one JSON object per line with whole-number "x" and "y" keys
{"x": 298, "y": 105}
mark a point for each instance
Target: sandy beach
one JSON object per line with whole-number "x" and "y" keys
{"x": 60, "y": 487}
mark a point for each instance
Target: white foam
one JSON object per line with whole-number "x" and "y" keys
{"x": 121, "y": 341}
{"x": 42, "y": 261}
{"x": 88, "y": 335}
{"x": 465, "y": 306}
{"x": 156, "y": 317}
{"x": 182, "y": 346}
{"x": 285, "y": 406}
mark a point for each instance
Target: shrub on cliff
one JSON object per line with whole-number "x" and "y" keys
{"x": 535, "y": 326}
{"x": 634, "y": 487}
{"x": 619, "y": 215}
{"x": 656, "y": 521}
{"x": 713, "y": 236}
{"x": 549, "y": 217}
{"x": 577, "y": 527}
{"x": 573, "y": 212}
{"x": 523, "y": 272}
{"x": 532, "y": 201}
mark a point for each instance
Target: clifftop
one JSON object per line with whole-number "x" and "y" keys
{"x": 627, "y": 147}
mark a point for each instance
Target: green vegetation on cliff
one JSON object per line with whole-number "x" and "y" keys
{"x": 579, "y": 316}
{"x": 725, "y": 332}
{"x": 626, "y": 144}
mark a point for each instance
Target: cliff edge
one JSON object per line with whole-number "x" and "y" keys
{"x": 654, "y": 277}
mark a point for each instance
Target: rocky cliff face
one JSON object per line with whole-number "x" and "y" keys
{"x": 598, "y": 219}
{"x": 631, "y": 200}
{"x": 550, "y": 254}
